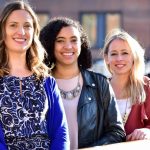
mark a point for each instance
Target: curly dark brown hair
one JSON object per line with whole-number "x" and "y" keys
{"x": 48, "y": 36}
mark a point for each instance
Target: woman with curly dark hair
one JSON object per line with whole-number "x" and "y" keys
{"x": 90, "y": 106}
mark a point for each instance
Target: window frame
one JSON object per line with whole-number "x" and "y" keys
{"x": 100, "y": 38}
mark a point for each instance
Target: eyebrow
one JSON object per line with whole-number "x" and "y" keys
{"x": 61, "y": 37}
{"x": 121, "y": 50}
{"x": 18, "y": 22}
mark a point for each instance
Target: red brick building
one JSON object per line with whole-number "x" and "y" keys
{"x": 99, "y": 16}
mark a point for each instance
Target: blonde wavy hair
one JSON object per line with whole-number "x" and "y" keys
{"x": 35, "y": 54}
{"x": 135, "y": 86}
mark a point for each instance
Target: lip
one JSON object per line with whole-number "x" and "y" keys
{"x": 19, "y": 40}
{"x": 67, "y": 53}
{"x": 120, "y": 65}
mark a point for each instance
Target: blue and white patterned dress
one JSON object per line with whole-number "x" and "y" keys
{"x": 23, "y": 109}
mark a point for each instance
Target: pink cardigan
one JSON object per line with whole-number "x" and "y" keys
{"x": 139, "y": 116}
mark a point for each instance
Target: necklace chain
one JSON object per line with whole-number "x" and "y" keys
{"x": 125, "y": 116}
{"x": 69, "y": 95}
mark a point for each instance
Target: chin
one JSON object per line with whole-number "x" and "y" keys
{"x": 122, "y": 73}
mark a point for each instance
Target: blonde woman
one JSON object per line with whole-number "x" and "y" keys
{"x": 124, "y": 58}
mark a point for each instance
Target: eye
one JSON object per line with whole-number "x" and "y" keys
{"x": 113, "y": 54}
{"x": 74, "y": 40}
{"x": 13, "y": 25}
{"x": 125, "y": 53}
{"x": 60, "y": 41}
{"x": 27, "y": 26}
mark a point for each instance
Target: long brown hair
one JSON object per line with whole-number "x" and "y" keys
{"x": 35, "y": 54}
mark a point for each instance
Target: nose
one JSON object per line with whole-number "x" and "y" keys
{"x": 120, "y": 57}
{"x": 21, "y": 31}
{"x": 68, "y": 45}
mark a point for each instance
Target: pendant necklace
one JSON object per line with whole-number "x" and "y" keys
{"x": 69, "y": 95}
{"x": 125, "y": 116}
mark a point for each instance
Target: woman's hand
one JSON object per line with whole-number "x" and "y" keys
{"x": 139, "y": 134}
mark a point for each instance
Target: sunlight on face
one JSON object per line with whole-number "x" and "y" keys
{"x": 67, "y": 46}
{"x": 19, "y": 31}
{"x": 119, "y": 58}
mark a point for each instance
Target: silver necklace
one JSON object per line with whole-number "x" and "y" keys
{"x": 69, "y": 95}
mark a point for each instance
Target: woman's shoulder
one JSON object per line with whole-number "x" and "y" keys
{"x": 94, "y": 77}
{"x": 50, "y": 82}
{"x": 91, "y": 72}
{"x": 49, "y": 79}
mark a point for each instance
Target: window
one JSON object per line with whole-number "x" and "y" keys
{"x": 97, "y": 25}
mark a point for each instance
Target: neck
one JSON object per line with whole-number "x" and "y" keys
{"x": 18, "y": 66}
{"x": 68, "y": 72}
{"x": 119, "y": 85}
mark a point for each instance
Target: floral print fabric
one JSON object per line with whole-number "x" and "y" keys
{"x": 23, "y": 108}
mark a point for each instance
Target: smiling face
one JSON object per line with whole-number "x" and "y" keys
{"x": 67, "y": 46}
{"x": 119, "y": 57}
{"x": 19, "y": 31}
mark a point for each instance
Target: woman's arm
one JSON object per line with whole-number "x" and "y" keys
{"x": 2, "y": 140}
{"x": 57, "y": 124}
{"x": 113, "y": 126}
{"x": 143, "y": 133}
{"x": 139, "y": 134}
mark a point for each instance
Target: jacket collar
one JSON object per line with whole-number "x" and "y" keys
{"x": 88, "y": 79}
{"x": 88, "y": 83}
